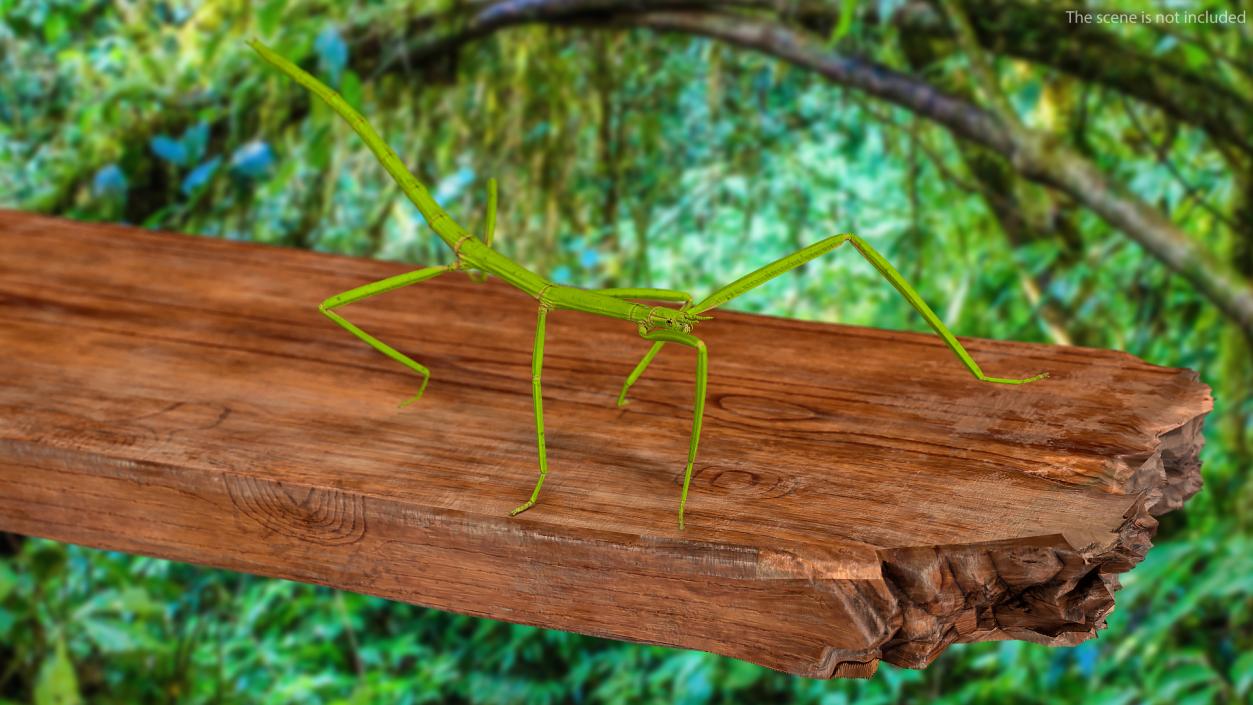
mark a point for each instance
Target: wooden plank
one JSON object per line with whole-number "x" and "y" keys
{"x": 181, "y": 397}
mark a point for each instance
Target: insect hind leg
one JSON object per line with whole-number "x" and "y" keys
{"x": 382, "y": 286}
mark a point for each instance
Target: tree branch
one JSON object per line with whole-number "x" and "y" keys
{"x": 1163, "y": 158}
{"x": 1035, "y": 156}
{"x": 985, "y": 78}
{"x": 1092, "y": 53}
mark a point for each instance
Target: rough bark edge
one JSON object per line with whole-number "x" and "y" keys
{"x": 1047, "y": 591}
{"x": 1170, "y": 471}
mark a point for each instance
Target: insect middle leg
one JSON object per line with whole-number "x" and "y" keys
{"x": 537, "y": 364}
{"x": 384, "y": 285}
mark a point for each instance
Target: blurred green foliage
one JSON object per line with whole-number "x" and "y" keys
{"x": 624, "y": 158}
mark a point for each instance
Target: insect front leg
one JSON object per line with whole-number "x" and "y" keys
{"x": 537, "y": 364}
{"x": 898, "y": 282}
{"x": 782, "y": 265}
{"x": 651, "y": 295}
{"x": 702, "y": 378}
{"x": 384, "y": 285}
{"x": 639, "y": 370}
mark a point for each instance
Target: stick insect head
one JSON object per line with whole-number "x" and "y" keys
{"x": 674, "y": 319}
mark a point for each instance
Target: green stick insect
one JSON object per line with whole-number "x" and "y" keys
{"x": 657, "y": 324}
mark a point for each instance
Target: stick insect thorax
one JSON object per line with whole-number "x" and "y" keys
{"x": 476, "y": 254}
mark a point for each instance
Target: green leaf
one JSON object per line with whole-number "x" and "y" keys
{"x": 7, "y": 620}
{"x": 8, "y": 581}
{"x": 210, "y": 48}
{"x": 740, "y": 675}
{"x": 48, "y": 561}
{"x": 137, "y": 601}
{"x": 1242, "y": 673}
{"x": 110, "y": 636}
{"x": 57, "y": 683}
{"x": 1178, "y": 680}
{"x": 1111, "y": 696}
{"x": 319, "y": 150}
{"x": 54, "y": 27}
{"x": 1203, "y": 697}
{"x": 269, "y": 15}
{"x": 845, "y": 23}
{"x": 350, "y": 88}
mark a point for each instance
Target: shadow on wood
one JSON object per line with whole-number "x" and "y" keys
{"x": 181, "y": 397}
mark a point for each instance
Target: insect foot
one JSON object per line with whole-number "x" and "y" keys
{"x": 415, "y": 397}
{"x": 1002, "y": 380}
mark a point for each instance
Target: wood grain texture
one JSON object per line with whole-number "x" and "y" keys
{"x": 181, "y": 397}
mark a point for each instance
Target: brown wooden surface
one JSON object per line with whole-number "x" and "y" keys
{"x": 181, "y": 397}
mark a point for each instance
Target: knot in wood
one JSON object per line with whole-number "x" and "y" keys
{"x": 319, "y": 515}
